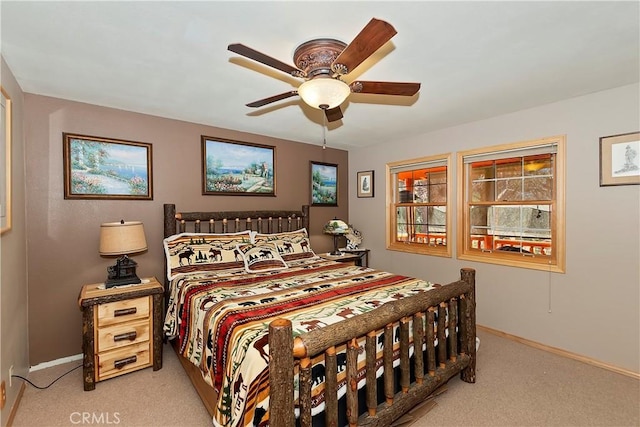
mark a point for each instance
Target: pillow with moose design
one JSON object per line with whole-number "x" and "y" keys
{"x": 200, "y": 252}
{"x": 292, "y": 245}
{"x": 261, "y": 257}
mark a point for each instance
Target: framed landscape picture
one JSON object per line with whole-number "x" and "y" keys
{"x": 235, "y": 168}
{"x": 324, "y": 184}
{"x": 104, "y": 168}
{"x": 620, "y": 159}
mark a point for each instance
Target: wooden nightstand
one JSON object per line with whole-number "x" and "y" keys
{"x": 121, "y": 329}
{"x": 358, "y": 257}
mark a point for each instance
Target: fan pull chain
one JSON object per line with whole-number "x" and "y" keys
{"x": 324, "y": 130}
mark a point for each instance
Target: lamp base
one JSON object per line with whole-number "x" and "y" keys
{"x": 132, "y": 280}
{"x": 123, "y": 273}
{"x": 335, "y": 252}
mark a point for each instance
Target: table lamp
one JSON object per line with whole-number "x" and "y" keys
{"x": 337, "y": 228}
{"x": 122, "y": 238}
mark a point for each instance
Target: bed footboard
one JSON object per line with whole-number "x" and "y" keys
{"x": 454, "y": 330}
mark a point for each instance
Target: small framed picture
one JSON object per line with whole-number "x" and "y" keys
{"x": 620, "y": 159}
{"x": 324, "y": 184}
{"x": 365, "y": 184}
{"x": 104, "y": 168}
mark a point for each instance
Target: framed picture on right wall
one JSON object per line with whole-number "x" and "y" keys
{"x": 365, "y": 184}
{"x": 620, "y": 159}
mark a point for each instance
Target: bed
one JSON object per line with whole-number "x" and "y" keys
{"x": 271, "y": 334}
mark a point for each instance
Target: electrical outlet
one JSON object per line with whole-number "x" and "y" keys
{"x": 10, "y": 374}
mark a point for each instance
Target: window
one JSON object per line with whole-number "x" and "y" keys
{"x": 511, "y": 201}
{"x": 418, "y": 214}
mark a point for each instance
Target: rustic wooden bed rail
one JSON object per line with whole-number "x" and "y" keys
{"x": 233, "y": 221}
{"x": 455, "y": 331}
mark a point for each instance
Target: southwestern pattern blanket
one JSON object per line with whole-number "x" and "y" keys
{"x": 221, "y": 321}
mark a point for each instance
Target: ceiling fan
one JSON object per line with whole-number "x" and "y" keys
{"x": 323, "y": 62}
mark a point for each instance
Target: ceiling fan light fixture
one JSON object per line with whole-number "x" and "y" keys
{"x": 326, "y": 92}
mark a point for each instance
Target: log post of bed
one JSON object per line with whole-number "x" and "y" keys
{"x": 281, "y": 373}
{"x": 456, "y": 353}
{"x": 468, "y": 324}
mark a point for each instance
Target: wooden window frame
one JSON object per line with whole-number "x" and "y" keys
{"x": 391, "y": 219}
{"x": 554, "y": 263}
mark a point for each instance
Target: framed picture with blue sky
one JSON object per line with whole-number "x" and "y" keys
{"x": 235, "y": 168}
{"x": 106, "y": 168}
{"x": 324, "y": 184}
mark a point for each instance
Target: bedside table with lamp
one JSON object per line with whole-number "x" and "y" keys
{"x": 338, "y": 228}
{"x": 122, "y": 317}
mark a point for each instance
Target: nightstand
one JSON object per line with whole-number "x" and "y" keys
{"x": 359, "y": 257}
{"x": 121, "y": 329}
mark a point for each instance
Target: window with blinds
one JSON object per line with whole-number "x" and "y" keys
{"x": 512, "y": 201}
{"x": 419, "y": 215}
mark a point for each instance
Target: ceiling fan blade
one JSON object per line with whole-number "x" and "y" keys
{"x": 265, "y": 101}
{"x": 333, "y": 114}
{"x": 371, "y": 38}
{"x": 385, "y": 88}
{"x": 245, "y": 51}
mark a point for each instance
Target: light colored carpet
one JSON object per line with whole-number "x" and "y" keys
{"x": 516, "y": 386}
{"x": 142, "y": 398}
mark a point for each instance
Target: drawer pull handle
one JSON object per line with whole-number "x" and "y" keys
{"x": 131, "y": 336}
{"x": 125, "y": 311}
{"x": 119, "y": 364}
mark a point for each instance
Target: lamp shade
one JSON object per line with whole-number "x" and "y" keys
{"x": 120, "y": 238}
{"x": 336, "y": 226}
{"x": 324, "y": 91}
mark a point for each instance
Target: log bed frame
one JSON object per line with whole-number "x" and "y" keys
{"x": 453, "y": 303}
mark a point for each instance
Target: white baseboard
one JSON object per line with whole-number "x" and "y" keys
{"x": 62, "y": 361}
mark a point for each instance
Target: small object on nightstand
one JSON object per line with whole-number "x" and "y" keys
{"x": 122, "y": 238}
{"x": 121, "y": 329}
{"x": 354, "y": 238}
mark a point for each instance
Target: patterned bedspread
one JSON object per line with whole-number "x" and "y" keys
{"x": 221, "y": 321}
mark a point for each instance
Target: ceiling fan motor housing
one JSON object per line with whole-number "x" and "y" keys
{"x": 315, "y": 57}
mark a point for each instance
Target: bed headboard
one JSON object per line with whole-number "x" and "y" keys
{"x": 234, "y": 221}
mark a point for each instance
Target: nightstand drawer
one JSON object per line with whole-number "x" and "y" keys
{"x": 123, "y": 334}
{"x": 122, "y": 311}
{"x": 123, "y": 360}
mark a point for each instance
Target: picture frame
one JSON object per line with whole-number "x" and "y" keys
{"x": 365, "y": 180}
{"x": 106, "y": 168}
{"x": 237, "y": 168}
{"x": 5, "y": 150}
{"x": 324, "y": 184}
{"x": 620, "y": 159}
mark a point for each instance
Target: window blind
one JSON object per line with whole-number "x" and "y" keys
{"x": 406, "y": 167}
{"x": 515, "y": 152}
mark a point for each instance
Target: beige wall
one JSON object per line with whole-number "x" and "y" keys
{"x": 13, "y": 269}
{"x": 593, "y": 309}
{"x": 63, "y": 234}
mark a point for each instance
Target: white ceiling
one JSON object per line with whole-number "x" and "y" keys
{"x": 474, "y": 59}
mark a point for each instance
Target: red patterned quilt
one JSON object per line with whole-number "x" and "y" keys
{"x": 221, "y": 321}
